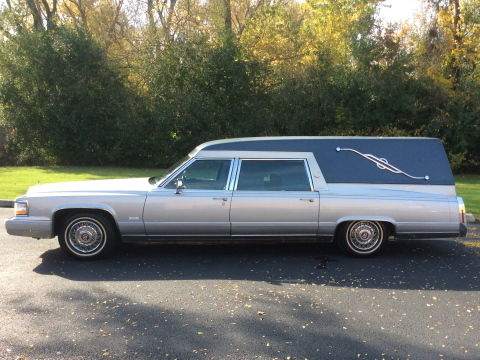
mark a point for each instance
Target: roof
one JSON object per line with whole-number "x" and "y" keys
{"x": 277, "y": 138}
{"x": 354, "y": 159}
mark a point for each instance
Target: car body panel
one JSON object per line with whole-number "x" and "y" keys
{"x": 192, "y": 212}
{"x": 274, "y": 213}
{"x": 408, "y": 207}
{"x": 26, "y": 226}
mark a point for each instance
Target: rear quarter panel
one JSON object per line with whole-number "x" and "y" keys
{"x": 410, "y": 208}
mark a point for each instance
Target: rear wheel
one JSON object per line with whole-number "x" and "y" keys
{"x": 362, "y": 238}
{"x": 87, "y": 236}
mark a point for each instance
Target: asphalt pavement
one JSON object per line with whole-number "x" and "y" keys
{"x": 417, "y": 300}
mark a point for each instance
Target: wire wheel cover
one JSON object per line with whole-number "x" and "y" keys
{"x": 364, "y": 235}
{"x": 85, "y": 235}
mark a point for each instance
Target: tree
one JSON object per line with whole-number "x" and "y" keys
{"x": 40, "y": 14}
{"x": 200, "y": 91}
{"x": 104, "y": 19}
{"x": 61, "y": 97}
{"x": 447, "y": 53}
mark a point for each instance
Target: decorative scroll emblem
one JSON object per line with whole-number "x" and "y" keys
{"x": 383, "y": 164}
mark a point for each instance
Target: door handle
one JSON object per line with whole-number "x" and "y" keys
{"x": 219, "y": 198}
{"x": 309, "y": 200}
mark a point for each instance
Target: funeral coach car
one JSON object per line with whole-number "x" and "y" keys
{"x": 357, "y": 191}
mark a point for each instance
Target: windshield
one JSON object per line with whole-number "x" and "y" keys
{"x": 155, "y": 180}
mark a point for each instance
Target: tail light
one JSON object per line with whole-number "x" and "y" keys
{"x": 461, "y": 210}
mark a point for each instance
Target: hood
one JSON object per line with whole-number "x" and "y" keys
{"x": 115, "y": 185}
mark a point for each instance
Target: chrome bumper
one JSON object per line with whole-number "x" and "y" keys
{"x": 23, "y": 226}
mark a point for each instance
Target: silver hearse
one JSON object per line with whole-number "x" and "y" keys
{"x": 357, "y": 191}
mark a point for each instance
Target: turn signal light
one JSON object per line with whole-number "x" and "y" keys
{"x": 21, "y": 208}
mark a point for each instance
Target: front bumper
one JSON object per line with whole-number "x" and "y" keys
{"x": 24, "y": 226}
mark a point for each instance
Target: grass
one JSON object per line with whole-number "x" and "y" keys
{"x": 14, "y": 181}
{"x": 468, "y": 187}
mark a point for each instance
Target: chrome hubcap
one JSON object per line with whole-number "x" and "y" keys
{"x": 365, "y": 235}
{"x": 85, "y": 235}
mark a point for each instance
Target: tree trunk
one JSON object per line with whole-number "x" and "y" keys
{"x": 457, "y": 39}
{"x": 35, "y": 12}
{"x": 228, "y": 17}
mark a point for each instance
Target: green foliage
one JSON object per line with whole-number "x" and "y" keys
{"x": 201, "y": 71}
{"x": 377, "y": 96}
{"x": 61, "y": 98}
{"x": 199, "y": 91}
{"x": 446, "y": 52}
{"x": 467, "y": 187}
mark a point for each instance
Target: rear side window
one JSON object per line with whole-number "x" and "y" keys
{"x": 273, "y": 175}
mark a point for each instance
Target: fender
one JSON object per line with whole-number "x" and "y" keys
{"x": 371, "y": 218}
{"x": 93, "y": 206}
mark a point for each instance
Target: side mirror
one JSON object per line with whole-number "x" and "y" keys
{"x": 180, "y": 186}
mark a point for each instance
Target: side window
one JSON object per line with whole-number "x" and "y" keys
{"x": 273, "y": 175}
{"x": 204, "y": 175}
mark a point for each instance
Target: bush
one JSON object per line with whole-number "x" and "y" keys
{"x": 62, "y": 98}
{"x": 199, "y": 91}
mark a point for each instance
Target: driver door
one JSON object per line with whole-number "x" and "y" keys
{"x": 201, "y": 208}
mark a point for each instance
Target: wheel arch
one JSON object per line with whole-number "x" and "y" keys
{"x": 389, "y": 223}
{"x": 61, "y": 214}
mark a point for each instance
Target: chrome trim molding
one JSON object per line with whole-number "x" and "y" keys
{"x": 426, "y": 236}
{"x": 226, "y": 141}
{"x": 383, "y": 164}
{"x": 235, "y": 170}
{"x": 225, "y": 239}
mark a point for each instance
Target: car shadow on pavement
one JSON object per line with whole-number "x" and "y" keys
{"x": 156, "y": 331}
{"x": 428, "y": 265}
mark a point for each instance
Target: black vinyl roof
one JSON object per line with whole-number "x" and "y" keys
{"x": 360, "y": 159}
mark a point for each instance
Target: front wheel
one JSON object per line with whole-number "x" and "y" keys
{"x": 87, "y": 236}
{"x": 362, "y": 238}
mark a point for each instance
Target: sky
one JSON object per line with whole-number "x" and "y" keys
{"x": 400, "y": 10}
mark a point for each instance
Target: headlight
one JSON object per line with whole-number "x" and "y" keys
{"x": 21, "y": 207}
